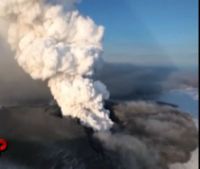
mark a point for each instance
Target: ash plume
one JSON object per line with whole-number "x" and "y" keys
{"x": 146, "y": 135}
{"x": 54, "y": 43}
{"x": 149, "y": 135}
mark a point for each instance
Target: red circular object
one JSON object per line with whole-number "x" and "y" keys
{"x": 3, "y": 145}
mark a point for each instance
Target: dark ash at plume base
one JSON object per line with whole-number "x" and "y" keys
{"x": 146, "y": 135}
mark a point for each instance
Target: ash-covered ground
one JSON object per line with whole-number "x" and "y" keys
{"x": 147, "y": 135}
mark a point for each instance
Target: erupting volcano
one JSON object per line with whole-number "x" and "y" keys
{"x": 54, "y": 43}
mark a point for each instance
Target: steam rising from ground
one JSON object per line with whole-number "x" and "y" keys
{"x": 54, "y": 43}
{"x": 146, "y": 135}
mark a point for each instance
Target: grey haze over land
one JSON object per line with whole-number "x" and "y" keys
{"x": 146, "y": 135}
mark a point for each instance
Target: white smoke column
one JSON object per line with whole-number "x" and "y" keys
{"x": 54, "y": 43}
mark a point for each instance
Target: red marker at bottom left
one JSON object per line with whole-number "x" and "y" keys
{"x": 3, "y": 145}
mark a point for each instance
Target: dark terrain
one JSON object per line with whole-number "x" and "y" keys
{"x": 146, "y": 136}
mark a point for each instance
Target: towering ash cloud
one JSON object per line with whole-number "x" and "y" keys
{"x": 54, "y": 43}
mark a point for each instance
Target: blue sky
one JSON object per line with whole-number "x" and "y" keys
{"x": 147, "y": 31}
